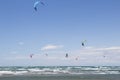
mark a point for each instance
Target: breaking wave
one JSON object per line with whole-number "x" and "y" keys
{"x": 43, "y": 70}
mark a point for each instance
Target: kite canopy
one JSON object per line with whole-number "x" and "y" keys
{"x": 36, "y": 4}
{"x": 66, "y": 55}
{"x": 31, "y": 55}
{"x": 83, "y": 42}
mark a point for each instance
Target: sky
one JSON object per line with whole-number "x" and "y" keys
{"x": 58, "y": 28}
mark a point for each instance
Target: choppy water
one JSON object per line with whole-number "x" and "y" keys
{"x": 58, "y": 70}
{"x": 63, "y": 77}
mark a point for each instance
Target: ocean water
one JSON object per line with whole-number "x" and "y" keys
{"x": 60, "y": 73}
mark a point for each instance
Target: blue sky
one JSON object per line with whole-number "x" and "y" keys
{"x": 58, "y": 28}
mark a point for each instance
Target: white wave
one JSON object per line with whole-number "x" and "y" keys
{"x": 114, "y": 72}
{"x": 6, "y": 72}
{"x": 59, "y": 70}
{"x": 20, "y": 72}
{"x": 12, "y": 73}
{"x": 34, "y": 70}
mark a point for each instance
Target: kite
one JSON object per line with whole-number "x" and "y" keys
{"x": 31, "y": 55}
{"x": 36, "y": 4}
{"x": 83, "y": 43}
{"x": 66, "y": 55}
{"x": 77, "y": 58}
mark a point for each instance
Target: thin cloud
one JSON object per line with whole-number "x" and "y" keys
{"x": 86, "y": 56}
{"x": 51, "y": 47}
{"x": 14, "y": 52}
{"x": 21, "y": 43}
{"x": 98, "y": 52}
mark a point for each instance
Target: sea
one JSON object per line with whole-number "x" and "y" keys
{"x": 60, "y": 73}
